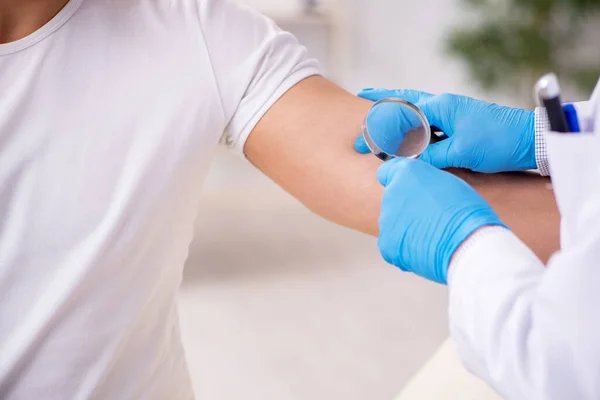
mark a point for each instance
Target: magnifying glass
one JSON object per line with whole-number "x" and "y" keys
{"x": 395, "y": 127}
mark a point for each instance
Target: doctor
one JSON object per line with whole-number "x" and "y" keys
{"x": 531, "y": 331}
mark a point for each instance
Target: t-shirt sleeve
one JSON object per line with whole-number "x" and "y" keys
{"x": 254, "y": 63}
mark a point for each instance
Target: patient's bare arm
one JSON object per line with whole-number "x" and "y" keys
{"x": 525, "y": 202}
{"x": 305, "y": 144}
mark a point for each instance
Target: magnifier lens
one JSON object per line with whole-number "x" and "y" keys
{"x": 395, "y": 127}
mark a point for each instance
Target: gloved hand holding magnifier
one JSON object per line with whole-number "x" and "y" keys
{"x": 483, "y": 137}
{"x": 395, "y": 127}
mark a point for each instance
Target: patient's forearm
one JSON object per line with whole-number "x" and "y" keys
{"x": 525, "y": 202}
{"x": 305, "y": 144}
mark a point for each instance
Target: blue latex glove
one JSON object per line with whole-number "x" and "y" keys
{"x": 483, "y": 137}
{"x": 390, "y": 123}
{"x": 426, "y": 214}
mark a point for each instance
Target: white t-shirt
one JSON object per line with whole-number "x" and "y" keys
{"x": 109, "y": 117}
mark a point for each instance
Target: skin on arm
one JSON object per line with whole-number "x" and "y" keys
{"x": 525, "y": 202}
{"x": 304, "y": 143}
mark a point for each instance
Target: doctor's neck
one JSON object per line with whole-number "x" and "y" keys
{"x": 20, "y": 18}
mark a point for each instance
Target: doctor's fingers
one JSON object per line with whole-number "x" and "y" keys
{"x": 406, "y": 173}
{"x": 361, "y": 146}
{"x": 392, "y": 168}
{"x": 388, "y": 124}
{"x": 438, "y": 109}
{"x": 439, "y": 154}
{"x": 413, "y": 96}
{"x": 385, "y": 127}
{"x": 440, "y": 112}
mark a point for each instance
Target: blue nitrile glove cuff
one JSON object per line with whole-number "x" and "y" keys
{"x": 459, "y": 230}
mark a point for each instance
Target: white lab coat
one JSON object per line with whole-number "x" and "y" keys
{"x": 533, "y": 331}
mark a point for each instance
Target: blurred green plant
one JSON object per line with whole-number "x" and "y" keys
{"x": 516, "y": 41}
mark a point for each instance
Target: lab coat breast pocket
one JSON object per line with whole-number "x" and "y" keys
{"x": 574, "y": 161}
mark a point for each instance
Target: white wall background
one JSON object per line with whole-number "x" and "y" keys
{"x": 399, "y": 44}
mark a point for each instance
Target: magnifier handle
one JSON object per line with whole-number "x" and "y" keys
{"x": 437, "y": 138}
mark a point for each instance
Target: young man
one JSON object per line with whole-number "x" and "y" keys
{"x": 109, "y": 116}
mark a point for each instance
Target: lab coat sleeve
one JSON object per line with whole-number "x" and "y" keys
{"x": 530, "y": 332}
